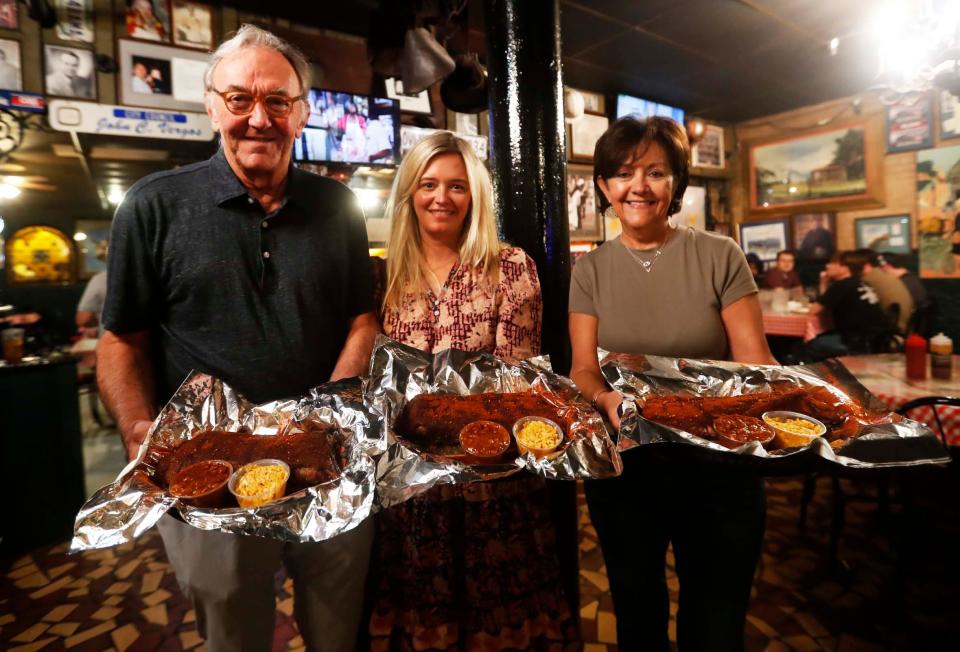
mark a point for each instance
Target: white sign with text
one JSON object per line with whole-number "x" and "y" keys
{"x": 90, "y": 118}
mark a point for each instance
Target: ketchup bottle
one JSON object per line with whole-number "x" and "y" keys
{"x": 916, "y": 350}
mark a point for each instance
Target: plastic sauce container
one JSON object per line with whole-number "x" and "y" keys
{"x": 260, "y": 482}
{"x": 915, "y": 350}
{"x": 941, "y": 356}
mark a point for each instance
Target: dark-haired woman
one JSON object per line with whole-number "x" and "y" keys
{"x": 679, "y": 292}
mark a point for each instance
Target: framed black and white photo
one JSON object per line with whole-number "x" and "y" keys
{"x": 419, "y": 103}
{"x": 161, "y": 76}
{"x": 583, "y": 134}
{"x": 586, "y": 221}
{"x": 69, "y": 72}
{"x": 74, "y": 20}
{"x": 708, "y": 153}
{"x": 192, "y": 25}
{"x": 11, "y": 78}
{"x": 765, "y": 239}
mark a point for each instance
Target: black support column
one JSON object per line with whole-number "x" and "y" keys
{"x": 527, "y": 160}
{"x": 527, "y": 150}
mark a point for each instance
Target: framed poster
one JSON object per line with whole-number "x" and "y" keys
{"x": 192, "y": 25}
{"x": 949, "y": 115}
{"x": 583, "y": 212}
{"x": 419, "y": 103}
{"x": 883, "y": 234}
{"x": 910, "y": 123}
{"x": 74, "y": 20}
{"x": 764, "y": 238}
{"x": 160, "y": 76}
{"x": 823, "y": 170}
{"x": 938, "y": 212}
{"x": 9, "y": 15}
{"x": 69, "y": 72}
{"x": 708, "y": 153}
{"x": 11, "y": 78}
{"x": 583, "y": 135}
{"x": 814, "y": 235}
{"x": 91, "y": 237}
{"x": 148, "y": 20}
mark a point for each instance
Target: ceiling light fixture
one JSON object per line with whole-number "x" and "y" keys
{"x": 918, "y": 45}
{"x": 79, "y": 236}
{"x": 115, "y": 196}
{"x": 8, "y": 191}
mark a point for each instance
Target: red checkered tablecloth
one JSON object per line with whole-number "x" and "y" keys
{"x": 792, "y": 325}
{"x": 884, "y": 375}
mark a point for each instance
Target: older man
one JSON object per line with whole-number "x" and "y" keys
{"x": 257, "y": 273}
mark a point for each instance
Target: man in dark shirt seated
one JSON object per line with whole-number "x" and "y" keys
{"x": 783, "y": 274}
{"x": 851, "y": 305}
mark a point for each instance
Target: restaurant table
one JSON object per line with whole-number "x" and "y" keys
{"x": 791, "y": 324}
{"x": 884, "y": 374}
{"x": 41, "y": 463}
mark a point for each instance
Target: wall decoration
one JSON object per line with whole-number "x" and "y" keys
{"x": 693, "y": 211}
{"x": 910, "y": 123}
{"x": 883, "y": 234}
{"x": 764, "y": 238}
{"x": 74, "y": 20}
{"x": 11, "y": 78}
{"x": 92, "y": 246}
{"x": 814, "y": 235}
{"x": 708, "y": 153}
{"x": 419, "y": 103}
{"x": 839, "y": 167}
{"x": 69, "y": 72}
{"x": 938, "y": 212}
{"x": 39, "y": 254}
{"x": 592, "y": 102}
{"x": 409, "y": 136}
{"x": 949, "y": 115}
{"x": 192, "y": 24}
{"x": 586, "y": 223}
{"x": 148, "y": 20}
{"x": 9, "y": 15}
{"x": 160, "y": 76}
{"x": 583, "y": 134}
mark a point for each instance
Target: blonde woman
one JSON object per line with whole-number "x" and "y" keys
{"x": 463, "y": 566}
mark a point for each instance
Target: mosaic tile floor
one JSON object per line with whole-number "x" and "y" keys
{"x": 126, "y": 598}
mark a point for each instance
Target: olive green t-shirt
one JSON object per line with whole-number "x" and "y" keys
{"x": 672, "y": 310}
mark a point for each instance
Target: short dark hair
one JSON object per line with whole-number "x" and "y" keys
{"x": 894, "y": 259}
{"x": 855, "y": 260}
{"x": 785, "y": 251}
{"x": 870, "y": 256}
{"x": 619, "y": 143}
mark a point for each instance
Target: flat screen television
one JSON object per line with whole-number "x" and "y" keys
{"x": 635, "y": 106}
{"x": 349, "y": 128}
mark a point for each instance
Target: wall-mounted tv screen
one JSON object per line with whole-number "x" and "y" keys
{"x": 348, "y": 128}
{"x": 630, "y": 105}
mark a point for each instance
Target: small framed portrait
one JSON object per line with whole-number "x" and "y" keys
{"x": 11, "y": 78}
{"x": 91, "y": 237}
{"x": 160, "y": 76}
{"x": 814, "y": 235}
{"x": 708, "y": 153}
{"x": 910, "y": 123}
{"x": 9, "y": 15}
{"x": 192, "y": 25}
{"x": 765, "y": 239}
{"x": 419, "y": 103}
{"x": 583, "y": 134}
{"x": 74, "y": 20}
{"x": 583, "y": 212}
{"x": 69, "y": 72}
{"x": 883, "y": 234}
{"x": 148, "y": 20}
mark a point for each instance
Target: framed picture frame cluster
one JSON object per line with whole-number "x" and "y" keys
{"x": 183, "y": 23}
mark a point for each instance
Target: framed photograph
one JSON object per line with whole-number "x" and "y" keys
{"x": 883, "y": 234}
{"x": 592, "y": 102}
{"x": 693, "y": 209}
{"x": 586, "y": 223}
{"x": 823, "y": 170}
{"x": 9, "y": 15}
{"x": 949, "y": 115}
{"x": 160, "y": 76}
{"x": 910, "y": 123}
{"x": 764, "y": 238}
{"x": 583, "y": 135}
{"x": 419, "y": 103}
{"x": 814, "y": 235}
{"x": 11, "y": 78}
{"x": 148, "y": 20}
{"x": 708, "y": 153}
{"x": 938, "y": 212}
{"x": 91, "y": 246}
{"x": 69, "y": 72}
{"x": 192, "y": 25}
{"x": 74, "y": 20}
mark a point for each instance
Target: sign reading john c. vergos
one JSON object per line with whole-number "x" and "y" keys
{"x": 90, "y": 118}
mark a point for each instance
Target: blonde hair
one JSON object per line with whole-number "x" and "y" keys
{"x": 479, "y": 244}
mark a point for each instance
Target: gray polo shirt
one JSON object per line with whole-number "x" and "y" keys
{"x": 263, "y": 302}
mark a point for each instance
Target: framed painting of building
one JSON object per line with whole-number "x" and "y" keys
{"x": 938, "y": 212}
{"x": 765, "y": 238}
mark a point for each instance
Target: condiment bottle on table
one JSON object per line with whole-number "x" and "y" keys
{"x": 941, "y": 352}
{"x": 915, "y": 349}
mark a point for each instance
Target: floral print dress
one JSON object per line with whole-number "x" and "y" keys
{"x": 471, "y": 567}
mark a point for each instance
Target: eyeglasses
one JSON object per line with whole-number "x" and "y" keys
{"x": 242, "y": 103}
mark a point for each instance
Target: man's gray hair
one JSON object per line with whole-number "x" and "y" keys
{"x": 251, "y": 36}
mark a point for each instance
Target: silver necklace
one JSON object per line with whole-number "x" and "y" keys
{"x": 646, "y": 265}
